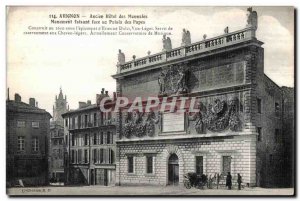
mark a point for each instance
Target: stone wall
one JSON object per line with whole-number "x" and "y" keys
{"x": 242, "y": 149}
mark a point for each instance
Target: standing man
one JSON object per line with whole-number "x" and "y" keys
{"x": 218, "y": 180}
{"x": 228, "y": 181}
{"x": 210, "y": 182}
{"x": 239, "y": 180}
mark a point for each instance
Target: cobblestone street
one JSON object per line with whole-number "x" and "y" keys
{"x": 144, "y": 190}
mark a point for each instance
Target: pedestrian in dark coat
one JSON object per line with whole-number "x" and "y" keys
{"x": 228, "y": 181}
{"x": 218, "y": 180}
{"x": 210, "y": 182}
{"x": 239, "y": 180}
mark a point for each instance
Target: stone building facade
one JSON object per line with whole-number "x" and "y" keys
{"x": 91, "y": 145}
{"x": 27, "y": 132}
{"x": 288, "y": 132}
{"x": 238, "y": 128}
{"x": 57, "y": 141}
{"x": 56, "y": 152}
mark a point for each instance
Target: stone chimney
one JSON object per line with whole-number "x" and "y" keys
{"x": 7, "y": 93}
{"x": 98, "y": 99}
{"x": 32, "y": 102}
{"x": 17, "y": 97}
{"x": 106, "y": 93}
{"x": 82, "y": 104}
{"x": 102, "y": 91}
{"x": 36, "y": 104}
{"x": 89, "y": 102}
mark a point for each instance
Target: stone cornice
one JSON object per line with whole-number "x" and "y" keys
{"x": 185, "y": 138}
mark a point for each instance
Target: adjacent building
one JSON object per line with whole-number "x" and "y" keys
{"x": 57, "y": 141}
{"x": 27, "y": 131}
{"x": 91, "y": 144}
{"x": 240, "y": 127}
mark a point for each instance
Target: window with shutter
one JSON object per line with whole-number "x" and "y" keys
{"x": 101, "y": 156}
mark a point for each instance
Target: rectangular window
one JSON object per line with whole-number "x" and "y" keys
{"x": 105, "y": 156}
{"x": 66, "y": 141}
{"x": 98, "y": 138}
{"x": 76, "y": 123}
{"x": 79, "y": 121}
{"x": 95, "y": 138}
{"x": 259, "y": 137}
{"x": 109, "y": 156}
{"x": 35, "y": 144}
{"x": 226, "y": 164}
{"x": 73, "y": 156}
{"x": 79, "y": 155}
{"x": 94, "y": 155}
{"x": 111, "y": 138}
{"x": 101, "y": 156}
{"x": 130, "y": 164}
{"x": 149, "y": 164}
{"x": 21, "y": 143}
{"x": 78, "y": 139}
{"x": 278, "y": 136}
{"x": 35, "y": 124}
{"x": 108, "y": 153}
{"x": 66, "y": 122}
{"x": 104, "y": 138}
{"x": 76, "y": 157}
{"x": 108, "y": 138}
{"x": 259, "y": 105}
{"x": 86, "y": 139}
{"x": 86, "y": 159}
{"x": 199, "y": 165}
{"x": 85, "y": 120}
{"x": 101, "y": 138}
{"x": 73, "y": 140}
{"x": 73, "y": 122}
{"x": 95, "y": 119}
{"x": 20, "y": 124}
{"x": 112, "y": 156}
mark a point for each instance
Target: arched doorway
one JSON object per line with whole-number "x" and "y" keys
{"x": 173, "y": 170}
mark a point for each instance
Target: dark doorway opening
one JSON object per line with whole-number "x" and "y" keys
{"x": 173, "y": 170}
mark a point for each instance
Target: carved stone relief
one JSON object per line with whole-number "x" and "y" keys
{"x": 173, "y": 80}
{"x": 217, "y": 116}
{"x": 140, "y": 124}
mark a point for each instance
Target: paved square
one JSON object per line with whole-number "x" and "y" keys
{"x": 142, "y": 190}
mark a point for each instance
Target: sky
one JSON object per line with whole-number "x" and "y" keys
{"x": 37, "y": 66}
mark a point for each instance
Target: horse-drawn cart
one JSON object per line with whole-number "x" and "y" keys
{"x": 191, "y": 179}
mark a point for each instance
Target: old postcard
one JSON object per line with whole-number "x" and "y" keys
{"x": 141, "y": 101}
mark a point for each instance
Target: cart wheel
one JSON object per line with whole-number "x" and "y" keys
{"x": 200, "y": 186}
{"x": 187, "y": 184}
